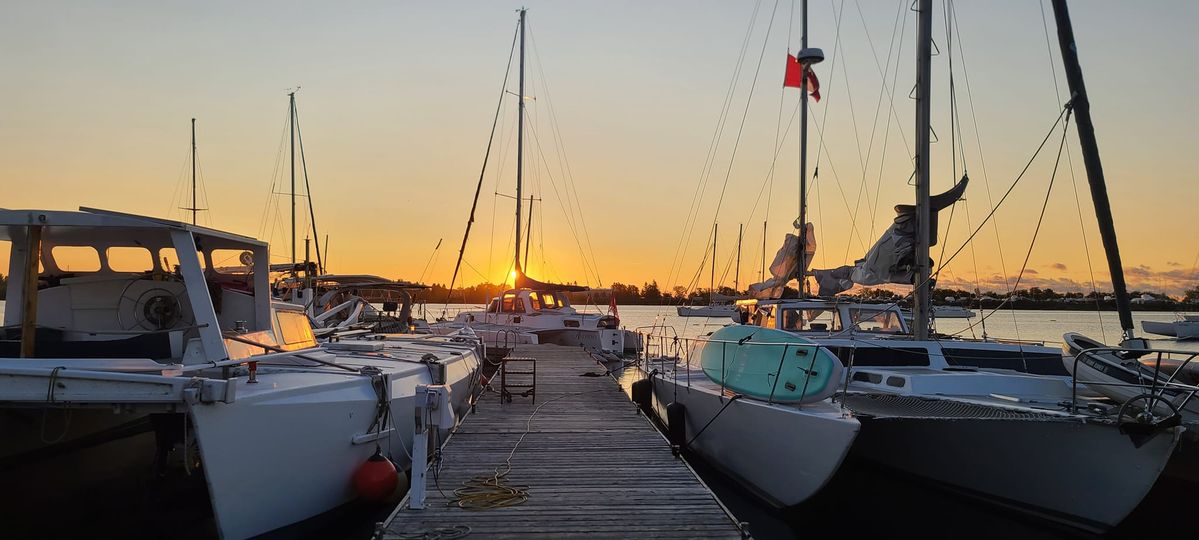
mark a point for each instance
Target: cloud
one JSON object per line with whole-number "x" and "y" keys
{"x": 1173, "y": 281}
{"x": 1173, "y": 263}
{"x": 1058, "y": 266}
{"x": 1032, "y": 271}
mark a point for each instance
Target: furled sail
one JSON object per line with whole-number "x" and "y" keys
{"x": 785, "y": 266}
{"x": 892, "y": 259}
{"x": 525, "y": 282}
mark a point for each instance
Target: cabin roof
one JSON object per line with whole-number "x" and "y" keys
{"x": 89, "y": 225}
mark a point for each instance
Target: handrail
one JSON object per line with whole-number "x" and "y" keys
{"x": 681, "y": 349}
{"x": 1156, "y": 385}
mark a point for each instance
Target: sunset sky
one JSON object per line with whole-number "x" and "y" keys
{"x": 397, "y": 101}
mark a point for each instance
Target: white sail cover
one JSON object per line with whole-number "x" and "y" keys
{"x": 892, "y": 259}
{"x": 785, "y": 266}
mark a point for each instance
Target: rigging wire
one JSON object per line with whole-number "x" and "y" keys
{"x": 1073, "y": 183}
{"x": 983, "y": 162}
{"x": 709, "y": 159}
{"x": 1040, "y": 219}
{"x": 482, "y": 172}
{"x": 563, "y": 162}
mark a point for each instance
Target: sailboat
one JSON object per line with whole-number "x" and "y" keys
{"x": 719, "y": 305}
{"x": 533, "y": 311}
{"x": 186, "y": 373}
{"x": 998, "y": 420}
{"x": 335, "y": 303}
{"x": 754, "y": 402}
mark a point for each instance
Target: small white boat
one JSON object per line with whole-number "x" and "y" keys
{"x": 713, "y": 311}
{"x": 106, "y": 374}
{"x": 1185, "y": 328}
{"x": 525, "y": 315}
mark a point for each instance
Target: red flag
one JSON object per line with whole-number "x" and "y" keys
{"x": 794, "y": 77}
{"x": 612, "y": 306}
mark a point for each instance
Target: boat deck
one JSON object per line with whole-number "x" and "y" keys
{"x": 593, "y": 465}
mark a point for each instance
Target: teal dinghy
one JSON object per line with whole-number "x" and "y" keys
{"x": 770, "y": 365}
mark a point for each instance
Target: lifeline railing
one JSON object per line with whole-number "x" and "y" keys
{"x": 1156, "y": 371}
{"x": 662, "y": 349}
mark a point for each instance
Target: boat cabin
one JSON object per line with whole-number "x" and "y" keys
{"x": 100, "y": 284}
{"x": 528, "y": 301}
{"x": 824, "y": 317}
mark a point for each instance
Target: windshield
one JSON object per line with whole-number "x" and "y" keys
{"x": 875, "y": 320}
{"x": 813, "y": 319}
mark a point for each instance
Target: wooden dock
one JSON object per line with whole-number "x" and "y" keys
{"x": 592, "y": 464}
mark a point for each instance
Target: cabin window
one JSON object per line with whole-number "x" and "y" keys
{"x": 874, "y": 320}
{"x": 507, "y": 302}
{"x": 494, "y": 307}
{"x": 821, "y": 320}
{"x": 295, "y": 328}
{"x": 767, "y": 316}
{"x": 76, "y": 258}
{"x": 535, "y": 301}
{"x": 1038, "y": 363}
{"x": 130, "y": 259}
{"x": 170, "y": 260}
{"x": 518, "y": 305}
{"x": 232, "y": 260}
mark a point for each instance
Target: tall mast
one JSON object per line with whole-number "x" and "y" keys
{"x": 737, "y": 272}
{"x": 194, "y": 207}
{"x": 712, "y": 279}
{"x": 924, "y": 40}
{"x": 291, "y": 120}
{"x": 762, "y": 269}
{"x": 520, "y": 138}
{"x": 803, "y": 151}
{"x": 529, "y": 231}
{"x": 1090, "y": 157}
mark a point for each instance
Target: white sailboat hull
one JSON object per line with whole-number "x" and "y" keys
{"x": 783, "y": 453}
{"x": 1050, "y": 468}
{"x": 707, "y": 311}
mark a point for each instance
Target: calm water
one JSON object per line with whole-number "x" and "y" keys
{"x": 1047, "y": 326}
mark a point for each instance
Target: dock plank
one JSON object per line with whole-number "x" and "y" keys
{"x": 594, "y": 467}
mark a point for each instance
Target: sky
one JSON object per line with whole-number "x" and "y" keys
{"x": 623, "y": 100}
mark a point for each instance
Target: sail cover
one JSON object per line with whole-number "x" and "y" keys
{"x": 525, "y": 282}
{"x": 785, "y": 266}
{"x": 893, "y": 257}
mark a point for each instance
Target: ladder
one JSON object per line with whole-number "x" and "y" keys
{"x": 523, "y": 380}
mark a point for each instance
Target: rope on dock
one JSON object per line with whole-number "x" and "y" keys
{"x": 441, "y": 533}
{"x": 490, "y": 492}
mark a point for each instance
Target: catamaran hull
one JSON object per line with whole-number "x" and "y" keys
{"x": 1087, "y": 475}
{"x": 784, "y": 454}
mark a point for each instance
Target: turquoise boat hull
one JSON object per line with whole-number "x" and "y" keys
{"x": 770, "y": 365}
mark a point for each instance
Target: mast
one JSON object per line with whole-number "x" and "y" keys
{"x": 520, "y": 139}
{"x": 924, "y": 39}
{"x": 803, "y": 153}
{"x": 712, "y": 279}
{"x": 762, "y": 269}
{"x": 291, "y": 120}
{"x": 1090, "y": 157}
{"x": 193, "y": 208}
{"x": 316, "y": 238}
{"x": 737, "y": 272}
{"x": 529, "y": 231}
